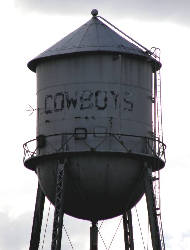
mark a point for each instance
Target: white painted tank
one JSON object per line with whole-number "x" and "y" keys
{"x": 94, "y": 99}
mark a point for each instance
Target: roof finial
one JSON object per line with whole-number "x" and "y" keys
{"x": 94, "y": 12}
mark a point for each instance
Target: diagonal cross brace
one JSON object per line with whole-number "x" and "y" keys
{"x": 128, "y": 230}
{"x": 59, "y": 208}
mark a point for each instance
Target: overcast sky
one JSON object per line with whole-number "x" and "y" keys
{"x": 162, "y": 10}
{"x": 30, "y": 27}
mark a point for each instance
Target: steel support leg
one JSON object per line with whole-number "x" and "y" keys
{"x": 59, "y": 208}
{"x": 128, "y": 230}
{"x": 37, "y": 220}
{"x": 94, "y": 236}
{"x": 153, "y": 220}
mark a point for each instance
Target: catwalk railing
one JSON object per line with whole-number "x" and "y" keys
{"x": 151, "y": 146}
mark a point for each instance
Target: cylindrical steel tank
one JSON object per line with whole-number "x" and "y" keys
{"x": 94, "y": 103}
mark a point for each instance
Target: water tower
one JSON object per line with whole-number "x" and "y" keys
{"x": 98, "y": 144}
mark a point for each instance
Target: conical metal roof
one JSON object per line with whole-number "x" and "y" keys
{"x": 93, "y": 36}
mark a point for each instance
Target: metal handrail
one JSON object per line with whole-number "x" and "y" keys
{"x": 154, "y": 145}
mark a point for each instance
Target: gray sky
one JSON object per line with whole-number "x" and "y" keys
{"x": 172, "y": 10}
{"x": 15, "y": 233}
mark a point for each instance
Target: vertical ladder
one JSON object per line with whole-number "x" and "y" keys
{"x": 157, "y": 111}
{"x": 156, "y": 190}
{"x": 153, "y": 206}
{"x": 154, "y": 177}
